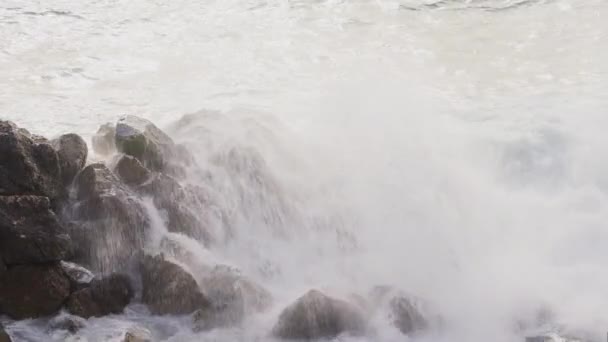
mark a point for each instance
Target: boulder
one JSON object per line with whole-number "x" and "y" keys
{"x": 2, "y": 266}
{"x": 30, "y": 232}
{"x": 112, "y": 219}
{"x": 29, "y": 165}
{"x": 109, "y": 295}
{"x": 131, "y": 170}
{"x": 4, "y": 336}
{"x": 168, "y": 288}
{"x": 178, "y": 206}
{"x": 316, "y": 316}
{"x": 103, "y": 140}
{"x": 232, "y": 297}
{"x": 141, "y": 139}
{"x": 67, "y": 322}
{"x": 72, "y": 152}
{"x": 138, "y": 334}
{"x": 30, "y": 291}
{"x": 79, "y": 276}
{"x": 408, "y": 313}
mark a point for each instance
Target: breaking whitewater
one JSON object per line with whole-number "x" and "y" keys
{"x": 424, "y": 171}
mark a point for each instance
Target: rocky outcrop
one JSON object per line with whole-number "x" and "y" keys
{"x": 29, "y": 165}
{"x": 4, "y": 337}
{"x": 29, "y": 291}
{"x": 112, "y": 219}
{"x": 316, "y": 316}
{"x": 141, "y": 139}
{"x": 103, "y": 140}
{"x": 105, "y": 296}
{"x": 168, "y": 288}
{"x": 72, "y": 152}
{"x": 131, "y": 170}
{"x": 30, "y": 232}
{"x": 232, "y": 297}
{"x": 408, "y": 313}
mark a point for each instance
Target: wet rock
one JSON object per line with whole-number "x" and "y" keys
{"x": 30, "y": 291}
{"x": 232, "y": 298}
{"x": 315, "y": 316}
{"x": 112, "y": 219}
{"x": 67, "y": 322}
{"x": 2, "y": 267}
{"x": 407, "y": 313}
{"x": 138, "y": 334}
{"x": 109, "y": 295}
{"x": 141, "y": 139}
{"x": 103, "y": 140}
{"x": 177, "y": 204}
{"x": 29, "y": 165}
{"x": 30, "y": 231}
{"x": 79, "y": 276}
{"x": 168, "y": 288}
{"x": 4, "y": 337}
{"x": 72, "y": 152}
{"x": 131, "y": 171}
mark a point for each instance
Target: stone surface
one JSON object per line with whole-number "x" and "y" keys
{"x": 232, "y": 298}
{"x": 29, "y": 165}
{"x": 4, "y": 337}
{"x": 30, "y": 291}
{"x": 72, "y": 152}
{"x": 103, "y": 140}
{"x": 138, "y": 334}
{"x": 30, "y": 232}
{"x": 111, "y": 217}
{"x": 408, "y": 313}
{"x": 168, "y": 288}
{"x": 79, "y": 276}
{"x": 131, "y": 170}
{"x": 109, "y": 295}
{"x": 316, "y": 316}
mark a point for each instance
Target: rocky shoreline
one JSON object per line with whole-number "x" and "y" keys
{"x": 74, "y": 236}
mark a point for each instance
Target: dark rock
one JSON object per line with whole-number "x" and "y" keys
{"x": 141, "y": 139}
{"x": 105, "y": 296}
{"x": 67, "y": 322}
{"x": 30, "y": 231}
{"x": 232, "y": 298}
{"x": 103, "y": 140}
{"x": 168, "y": 288}
{"x": 408, "y": 313}
{"x": 29, "y": 291}
{"x": 178, "y": 206}
{"x": 29, "y": 165}
{"x": 4, "y": 336}
{"x": 79, "y": 276}
{"x": 114, "y": 220}
{"x": 72, "y": 151}
{"x": 2, "y": 266}
{"x": 315, "y": 316}
{"x": 131, "y": 171}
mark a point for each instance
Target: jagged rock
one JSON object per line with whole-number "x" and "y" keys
{"x": 168, "y": 288}
{"x": 72, "y": 151}
{"x": 177, "y": 204}
{"x": 232, "y": 297}
{"x": 315, "y": 316}
{"x": 70, "y": 323}
{"x": 131, "y": 171}
{"x": 79, "y": 276}
{"x": 29, "y": 165}
{"x": 105, "y": 296}
{"x": 408, "y": 313}
{"x": 29, "y": 291}
{"x": 141, "y": 139}
{"x": 112, "y": 219}
{"x": 4, "y": 337}
{"x": 30, "y": 231}
{"x": 138, "y": 334}
{"x": 103, "y": 140}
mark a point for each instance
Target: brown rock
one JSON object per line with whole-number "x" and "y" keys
{"x": 105, "y": 296}
{"x": 72, "y": 151}
{"x": 30, "y": 291}
{"x": 131, "y": 171}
